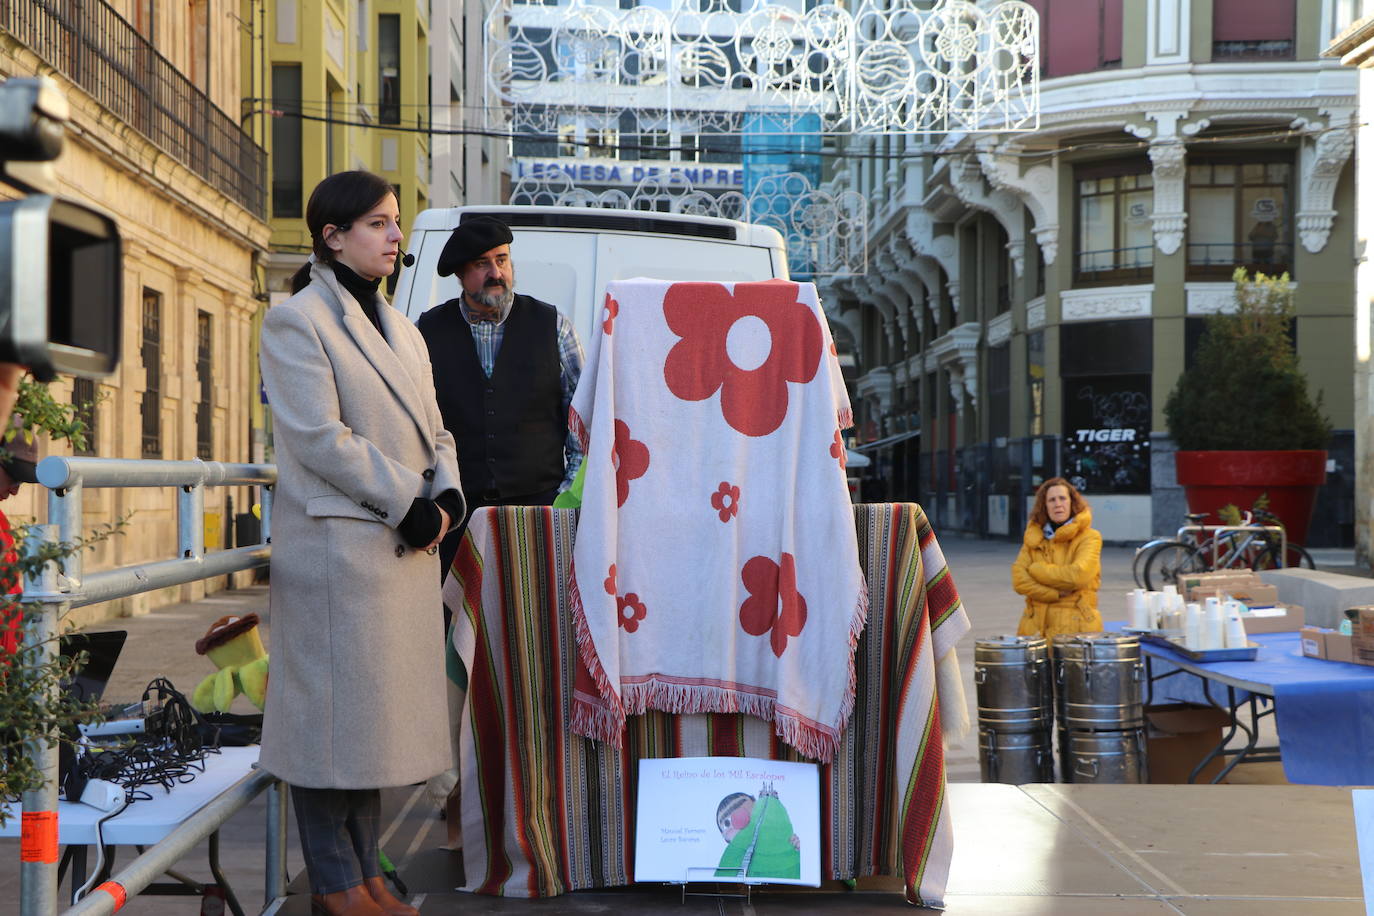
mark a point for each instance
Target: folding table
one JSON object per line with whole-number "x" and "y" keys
{"x": 1323, "y": 710}
{"x": 147, "y": 821}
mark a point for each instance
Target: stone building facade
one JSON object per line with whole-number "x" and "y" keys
{"x": 153, "y": 145}
{"x": 1032, "y": 297}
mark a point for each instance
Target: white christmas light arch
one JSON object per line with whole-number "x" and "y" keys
{"x": 826, "y": 232}
{"x": 892, "y": 66}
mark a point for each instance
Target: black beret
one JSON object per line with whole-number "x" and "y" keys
{"x": 472, "y": 239}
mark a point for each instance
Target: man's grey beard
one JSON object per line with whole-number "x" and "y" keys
{"x": 494, "y": 301}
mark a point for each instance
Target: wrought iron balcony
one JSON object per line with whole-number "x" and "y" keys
{"x": 92, "y": 45}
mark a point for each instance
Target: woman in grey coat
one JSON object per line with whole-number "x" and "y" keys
{"x": 367, "y": 486}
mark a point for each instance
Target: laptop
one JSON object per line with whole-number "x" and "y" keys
{"x": 103, "y": 651}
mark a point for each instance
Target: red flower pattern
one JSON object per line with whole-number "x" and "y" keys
{"x": 774, "y": 602}
{"x": 726, "y": 501}
{"x": 837, "y": 450}
{"x": 630, "y": 457}
{"x": 609, "y": 583}
{"x": 753, "y": 401}
{"x": 629, "y": 611}
{"x": 608, "y": 313}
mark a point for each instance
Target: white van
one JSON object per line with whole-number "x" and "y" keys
{"x": 567, "y": 255}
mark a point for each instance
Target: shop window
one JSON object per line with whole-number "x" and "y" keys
{"x": 1078, "y": 36}
{"x": 1114, "y": 237}
{"x": 1253, "y": 29}
{"x": 1239, "y": 216}
{"x": 1104, "y": 369}
{"x": 1107, "y": 433}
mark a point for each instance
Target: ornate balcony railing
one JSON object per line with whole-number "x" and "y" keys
{"x": 92, "y": 45}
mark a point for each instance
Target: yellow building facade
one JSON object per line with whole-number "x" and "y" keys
{"x": 334, "y": 85}
{"x": 152, "y": 143}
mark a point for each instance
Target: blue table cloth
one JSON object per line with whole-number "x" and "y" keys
{"x": 1324, "y": 710}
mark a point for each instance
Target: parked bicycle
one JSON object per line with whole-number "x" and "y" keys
{"x": 1257, "y": 543}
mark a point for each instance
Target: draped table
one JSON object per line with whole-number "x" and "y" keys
{"x": 546, "y": 811}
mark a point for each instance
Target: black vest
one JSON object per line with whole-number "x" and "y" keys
{"x": 510, "y": 428}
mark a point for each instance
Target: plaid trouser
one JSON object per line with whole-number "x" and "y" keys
{"x": 339, "y": 829}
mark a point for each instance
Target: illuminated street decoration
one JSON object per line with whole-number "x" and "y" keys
{"x": 903, "y": 67}
{"x": 826, "y": 232}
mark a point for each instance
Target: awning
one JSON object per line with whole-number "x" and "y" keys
{"x": 853, "y": 459}
{"x": 886, "y": 441}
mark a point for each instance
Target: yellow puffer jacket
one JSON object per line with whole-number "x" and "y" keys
{"x": 1060, "y": 577}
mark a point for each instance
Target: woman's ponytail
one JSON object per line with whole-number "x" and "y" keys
{"x": 301, "y": 278}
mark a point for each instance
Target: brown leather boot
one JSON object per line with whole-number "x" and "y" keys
{"x": 355, "y": 901}
{"x": 386, "y": 900}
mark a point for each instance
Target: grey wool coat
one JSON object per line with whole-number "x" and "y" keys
{"x": 356, "y": 696}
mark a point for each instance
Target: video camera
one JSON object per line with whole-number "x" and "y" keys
{"x": 61, "y": 267}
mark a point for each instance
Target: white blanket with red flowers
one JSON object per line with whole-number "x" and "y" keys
{"x": 716, "y": 566}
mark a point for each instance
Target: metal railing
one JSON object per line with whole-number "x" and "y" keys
{"x": 1270, "y": 257}
{"x": 66, "y": 479}
{"x": 1132, "y": 263}
{"x": 91, "y": 44}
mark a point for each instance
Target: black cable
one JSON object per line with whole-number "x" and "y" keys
{"x": 171, "y": 751}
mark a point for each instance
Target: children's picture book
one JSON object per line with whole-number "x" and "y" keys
{"x": 734, "y": 819}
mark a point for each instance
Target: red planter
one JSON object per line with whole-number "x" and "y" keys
{"x": 1211, "y": 480}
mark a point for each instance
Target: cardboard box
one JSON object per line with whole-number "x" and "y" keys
{"x": 1339, "y": 647}
{"x": 1198, "y": 586}
{"x": 1251, "y": 595}
{"x": 1274, "y": 619}
{"x": 1178, "y": 736}
{"x": 1313, "y": 641}
{"x": 1362, "y": 639}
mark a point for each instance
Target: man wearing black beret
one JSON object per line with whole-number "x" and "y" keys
{"x": 505, "y": 367}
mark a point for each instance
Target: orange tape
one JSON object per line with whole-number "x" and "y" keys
{"x": 115, "y": 890}
{"x": 38, "y": 837}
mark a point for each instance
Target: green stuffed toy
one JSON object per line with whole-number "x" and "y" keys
{"x": 234, "y": 645}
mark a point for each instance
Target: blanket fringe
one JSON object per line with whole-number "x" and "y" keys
{"x": 604, "y": 721}
{"x": 846, "y": 418}
{"x": 856, "y": 629}
{"x": 810, "y": 738}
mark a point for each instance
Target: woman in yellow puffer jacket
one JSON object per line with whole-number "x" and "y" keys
{"x": 1059, "y": 568}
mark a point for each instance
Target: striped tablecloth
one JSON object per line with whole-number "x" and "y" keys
{"x": 546, "y": 811}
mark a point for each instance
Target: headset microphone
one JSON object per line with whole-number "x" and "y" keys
{"x": 407, "y": 259}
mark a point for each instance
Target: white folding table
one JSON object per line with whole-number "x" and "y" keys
{"x": 148, "y": 821}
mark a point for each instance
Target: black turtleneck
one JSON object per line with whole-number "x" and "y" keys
{"x": 421, "y": 523}
{"x": 365, "y": 291}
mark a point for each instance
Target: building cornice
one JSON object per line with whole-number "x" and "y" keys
{"x": 1355, "y": 45}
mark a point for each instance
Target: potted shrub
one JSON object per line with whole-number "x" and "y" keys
{"x": 1241, "y": 416}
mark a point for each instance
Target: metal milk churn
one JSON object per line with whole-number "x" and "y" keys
{"x": 1107, "y": 757}
{"x": 1015, "y": 709}
{"x": 1099, "y": 680}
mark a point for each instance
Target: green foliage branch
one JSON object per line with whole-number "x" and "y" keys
{"x": 1246, "y": 390}
{"x": 32, "y": 705}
